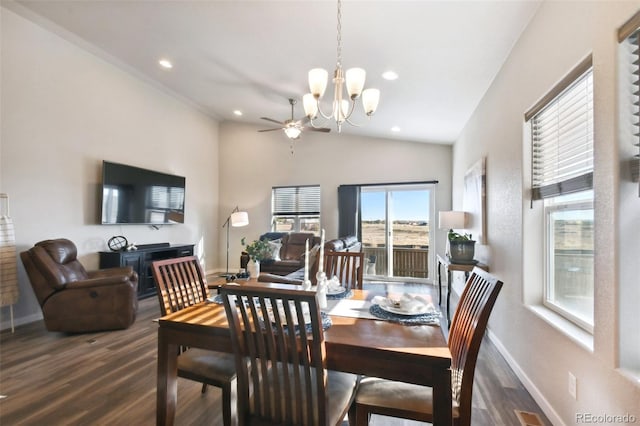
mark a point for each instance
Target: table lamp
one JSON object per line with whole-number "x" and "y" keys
{"x": 451, "y": 220}
{"x": 235, "y": 219}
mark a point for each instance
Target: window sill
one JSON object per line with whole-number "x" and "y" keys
{"x": 632, "y": 375}
{"x": 566, "y": 327}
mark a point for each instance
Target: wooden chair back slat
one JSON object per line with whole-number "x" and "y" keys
{"x": 181, "y": 283}
{"x": 347, "y": 266}
{"x": 281, "y": 376}
{"x": 467, "y": 329}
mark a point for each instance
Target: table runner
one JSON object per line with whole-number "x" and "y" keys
{"x": 350, "y": 308}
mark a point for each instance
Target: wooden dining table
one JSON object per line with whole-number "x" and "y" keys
{"x": 409, "y": 353}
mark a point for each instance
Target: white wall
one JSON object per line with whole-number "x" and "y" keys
{"x": 65, "y": 110}
{"x": 255, "y": 162}
{"x": 559, "y": 36}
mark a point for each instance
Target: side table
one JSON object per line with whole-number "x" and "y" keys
{"x": 466, "y": 268}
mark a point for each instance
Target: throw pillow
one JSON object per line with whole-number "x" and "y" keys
{"x": 275, "y": 246}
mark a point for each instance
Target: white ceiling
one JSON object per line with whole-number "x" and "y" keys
{"x": 253, "y": 55}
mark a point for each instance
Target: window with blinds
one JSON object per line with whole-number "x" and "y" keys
{"x": 562, "y": 159}
{"x": 629, "y": 38}
{"x": 562, "y": 137}
{"x": 296, "y": 208}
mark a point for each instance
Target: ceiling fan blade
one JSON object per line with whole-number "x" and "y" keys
{"x": 273, "y": 121}
{"x": 268, "y": 130}
{"x": 318, "y": 129}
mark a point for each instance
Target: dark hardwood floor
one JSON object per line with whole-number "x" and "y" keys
{"x": 109, "y": 378}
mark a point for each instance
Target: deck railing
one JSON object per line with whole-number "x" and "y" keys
{"x": 407, "y": 261}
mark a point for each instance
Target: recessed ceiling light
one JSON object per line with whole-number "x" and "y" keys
{"x": 390, "y": 75}
{"x": 395, "y": 129}
{"x": 237, "y": 112}
{"x": 165, "y": 63}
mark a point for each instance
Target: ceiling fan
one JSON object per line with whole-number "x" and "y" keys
{"x": 292, "y": 127}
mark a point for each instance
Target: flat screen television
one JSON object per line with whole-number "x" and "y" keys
{"x": 136, "y": 196}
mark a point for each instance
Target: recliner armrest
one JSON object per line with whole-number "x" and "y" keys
{"x": 100, "y": 282}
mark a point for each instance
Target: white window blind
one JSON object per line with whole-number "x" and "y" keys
{"x": 634, "y": 39}
{"x": 296, "y": 200}
{"x": 562, "y": 139}
{"x": 631, "y": 120}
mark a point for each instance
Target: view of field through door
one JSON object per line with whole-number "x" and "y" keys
{"x": 395, "y": 222}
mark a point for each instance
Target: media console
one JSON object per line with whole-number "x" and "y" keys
{"x": 141, "y": 259}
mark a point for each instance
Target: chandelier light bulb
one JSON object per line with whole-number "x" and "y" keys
{"x": 355, "y": 81}
{"x": 310, "y": 105}
{"x": 370, "y": 100}
{"x": 318, "y": 81}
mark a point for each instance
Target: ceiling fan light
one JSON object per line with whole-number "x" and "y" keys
{"x": 292, "y": 132}
{"x": 370, "y": 100}
{"x": 310, "y": 105}
{"x": 318, "y": 81}
{"x": 355, "y": 81}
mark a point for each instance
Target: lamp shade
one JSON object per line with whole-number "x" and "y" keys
{"x": 318, "y": 81}
{"x": 310, "y": 105}
{"x": 355, "y": 81}
{"x": 239, "y": 219}
{"x": 370, "y": 100}
{"x": 452, "y": 220}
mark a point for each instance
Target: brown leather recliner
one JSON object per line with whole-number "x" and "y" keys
{"x": 74, "y": 300}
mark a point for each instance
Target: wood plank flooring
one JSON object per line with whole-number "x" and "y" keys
{"x": 109, "y": 378}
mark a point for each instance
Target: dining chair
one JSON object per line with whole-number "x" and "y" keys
{"x": 414, "y": 402}
{"x": 279, "y": 330}
{"x": 346, "y": 266}
{"x": 181, "y": 283}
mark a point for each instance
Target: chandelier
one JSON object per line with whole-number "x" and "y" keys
{"x": 342, "y": 108}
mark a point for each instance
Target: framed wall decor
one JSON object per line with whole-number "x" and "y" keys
{"x": 474, "y": 201}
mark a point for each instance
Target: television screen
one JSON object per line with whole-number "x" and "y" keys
{"x": 131, "y": 195}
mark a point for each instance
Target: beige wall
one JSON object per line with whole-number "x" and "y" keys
{"x": 65, "y": 110}
{"x": 255, "y": 162}
{"x": 560, "y": 35}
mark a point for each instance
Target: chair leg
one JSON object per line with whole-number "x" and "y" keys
{"x": 204, "y": 387}
{"x": 362, "y": 415}
{"x": 351, "y": 415}
{"x": 230, "y": 404}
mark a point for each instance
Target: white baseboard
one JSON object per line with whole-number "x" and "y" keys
{"x": 548, "y": 410}
{"x": 6, "y": 321}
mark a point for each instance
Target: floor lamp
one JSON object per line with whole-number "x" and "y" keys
{"x": 235, "y": 219}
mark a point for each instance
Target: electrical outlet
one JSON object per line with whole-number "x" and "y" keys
{"x": 573, "y": 385}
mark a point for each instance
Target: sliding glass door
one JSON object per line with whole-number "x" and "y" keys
{"x": 395, "y": 224}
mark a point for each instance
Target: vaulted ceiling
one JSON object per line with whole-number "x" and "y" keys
{"x": 254, "y": 55}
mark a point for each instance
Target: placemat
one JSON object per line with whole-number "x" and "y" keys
{"x": 344, "y": 295}
{"x": 432, "y": 318}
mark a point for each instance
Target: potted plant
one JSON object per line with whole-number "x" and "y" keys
{"x": 258, "y": 251}
{"x": 461, "y": 248}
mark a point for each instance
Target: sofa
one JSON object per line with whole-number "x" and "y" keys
{"x": 292, "y": 271}
{"x": 290, "y": 255}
